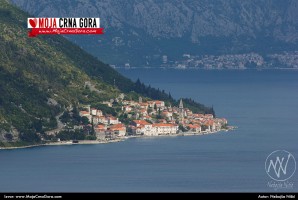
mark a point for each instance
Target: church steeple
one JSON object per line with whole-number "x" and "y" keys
{"x": 181, "y": 104}
{"x": 181, "y": 109}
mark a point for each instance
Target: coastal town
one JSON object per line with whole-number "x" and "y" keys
{"x": 146, "y": 118}
{"x": 252, "y": 60}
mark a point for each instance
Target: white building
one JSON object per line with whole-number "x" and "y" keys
{"x": 165, "y": 129}
{"x": 168, "y": 115}
{"x": 113, "y": 120}
{"x": 143, "y": 128}
{"x": 93, "y": 111}
{"x": 164, "y": 59}
{"x": 118, "y": 129}
{"x": 100, "y": 132}
{"x": 96, "y": 112}
{"x": 103, "y": 120}
{"x": 127, "y": 109}
{"x": 160, "y": 104}
{"x": 196, "y": 128}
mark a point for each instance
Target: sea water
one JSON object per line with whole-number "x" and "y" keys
{"x": 262, "y": 104}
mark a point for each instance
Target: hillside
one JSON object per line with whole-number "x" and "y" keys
{"x": 39, "y": 78}
{"x": 151, "y": 29}
{"x": 42, "y": 77}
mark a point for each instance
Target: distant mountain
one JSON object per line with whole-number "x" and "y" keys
{"x": 140, "y": 32}
{"x": 42, "y": 77}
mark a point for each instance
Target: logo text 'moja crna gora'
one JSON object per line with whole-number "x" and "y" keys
{"x": 59, "y": 26}
{"x": 63, "y": 23}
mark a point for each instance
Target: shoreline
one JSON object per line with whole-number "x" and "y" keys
{"x": 85, "y": 142}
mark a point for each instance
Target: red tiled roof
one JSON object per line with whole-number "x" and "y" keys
{"x": 118, "y": 127}
{"x": 100, "y": 126}
{"x": 209, "y": 123}
{"x": 165, "y": 125}
{"x": 193, "y": 125}
{"x": 141, "y": 122}
{"x": 84, "y": 112}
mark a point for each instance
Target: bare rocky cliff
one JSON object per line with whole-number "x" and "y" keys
{"x": 203, "y": 26}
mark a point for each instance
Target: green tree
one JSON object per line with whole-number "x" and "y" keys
{"x": 8, "y": 136}
{"x": 182, "y": 128}
{"x": 85, "y": 120}
{"x": 65, "y": 117}
{"x": 37, "y": 125}
{"x": 29, "y": 136}
{"x": 149, "y": 110}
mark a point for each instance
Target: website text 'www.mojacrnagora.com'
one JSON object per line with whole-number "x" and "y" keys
{"x": 36, "y": 196}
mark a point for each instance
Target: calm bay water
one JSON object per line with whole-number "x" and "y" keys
{"x": 264, "y": 105}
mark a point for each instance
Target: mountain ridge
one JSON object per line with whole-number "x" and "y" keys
{"x": 150, "y": 28}
{"x": 42, "y": 77}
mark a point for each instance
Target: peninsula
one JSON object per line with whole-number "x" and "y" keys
{"x": 90, "y": 125}
{"x": 52, "y": 91}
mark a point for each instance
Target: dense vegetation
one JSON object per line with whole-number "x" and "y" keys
{"x": 38, "y": 80}
{"x": 41, "y": 77}
{"x": 153, "y": 93}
